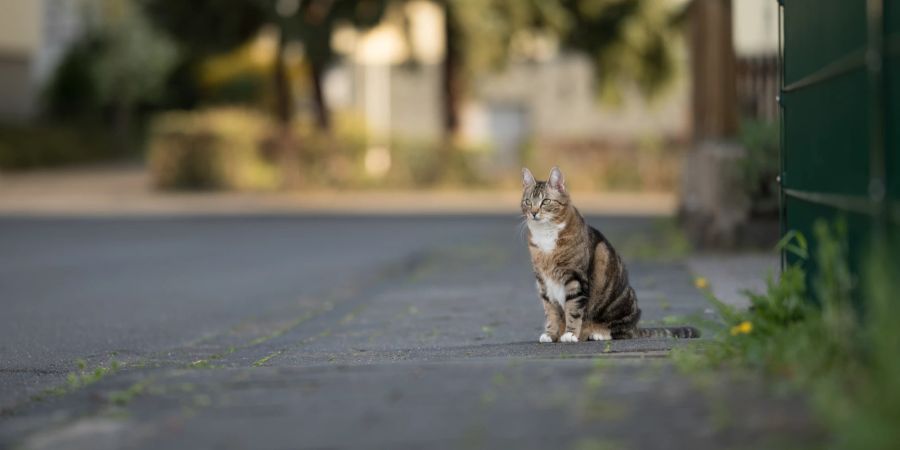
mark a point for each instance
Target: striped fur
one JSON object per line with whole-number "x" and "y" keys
{"x": 581, "y": 280}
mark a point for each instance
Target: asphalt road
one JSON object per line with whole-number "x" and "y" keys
{"x": 328, "y": 332}
{"x": 83, "y": 288}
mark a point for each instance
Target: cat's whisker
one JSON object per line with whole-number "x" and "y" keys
{"x": 522, "y": 227}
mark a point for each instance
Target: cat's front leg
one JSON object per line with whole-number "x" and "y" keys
{"x": 576, "y": 300}
{"x": 553, "y": 313}
{"x": 554, "y": 323}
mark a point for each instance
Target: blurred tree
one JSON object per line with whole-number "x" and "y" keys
{"x": 209, "y": 26}
{"x": 629, "y": 42}
{"x": 71, "y": 94}
{"x": 313, "y": 22}
{"x": 133, "y": 62}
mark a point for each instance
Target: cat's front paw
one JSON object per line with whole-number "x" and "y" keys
{"x": 545, "y": 339}
{"x": 568, "y": 337}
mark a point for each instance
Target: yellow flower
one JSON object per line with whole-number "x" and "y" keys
{"x": 744, "y": 327}
{"x": 701, "y": 283}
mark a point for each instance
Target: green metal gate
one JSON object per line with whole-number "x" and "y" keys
{"x": 840, "y": 131}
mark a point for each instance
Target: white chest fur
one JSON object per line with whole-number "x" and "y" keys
{"x": 544, "y": 235}
{"x": 555, "y": 291}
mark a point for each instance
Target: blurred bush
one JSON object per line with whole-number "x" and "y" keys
{"x": 235, "y": 148}
{"x": 760, "y": 166}
{"x": 212, "y": 149}
{"x": 43, "y": 145}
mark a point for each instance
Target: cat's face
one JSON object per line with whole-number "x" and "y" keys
{"x": 544, "y": 201}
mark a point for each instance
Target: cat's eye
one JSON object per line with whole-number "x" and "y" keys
{"x": 546, "y": 202}
{"x": 527, "y": 202}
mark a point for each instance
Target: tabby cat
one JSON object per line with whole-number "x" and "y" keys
{"x": 581, "y": 279}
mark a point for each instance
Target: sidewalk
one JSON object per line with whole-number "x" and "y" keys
{"x": 126, "y": 191}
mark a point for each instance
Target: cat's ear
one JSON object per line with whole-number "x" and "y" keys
{"x": 527, "y": 178}
{"x": 556, "y": 180}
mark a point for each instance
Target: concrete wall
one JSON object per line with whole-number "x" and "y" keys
{"x": 20, "y": 26}
{"x": 34, "y": 36}
{"x": 562, "y": 101}
{"x": 755, "y": 27}
{"x": 20, "y": 38}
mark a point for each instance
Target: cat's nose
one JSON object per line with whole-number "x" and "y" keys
{"x": 534, "y": 214}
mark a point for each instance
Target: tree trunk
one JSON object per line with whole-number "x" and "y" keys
{"x": 284, "y": 102}
{"x": 123, "y": 119}
{"x": 452, "y": 79}
{"x": 284, "y": 112}
{"x": 451, "y": 90}
{"x": 323, "y": 116}
{"x": 715, "y": 113}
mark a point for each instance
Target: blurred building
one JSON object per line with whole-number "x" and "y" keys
{"x": 735, "y": 79}
{"x": 756, "y": 48}
{"x": 391, "y": 75}
{"x": 34, "y": 35}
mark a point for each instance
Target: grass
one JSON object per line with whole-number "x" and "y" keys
{"x": 845, "y": 361}
{"x": 124, "y": 397}
{"x": 82, "y": 377}
{"x": 262, "y": 361}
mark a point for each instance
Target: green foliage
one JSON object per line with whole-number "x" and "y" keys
{"x": 206, "y": 27}
{"x": 120, "y": 60}
{"x": 72, "y": 91}
{"x": 847, "y": 362}
{"x": 135, "y": 60}
{"x": 315, "y": 21}
{"x": 203, "y": 27}
{"x": 629, "y": 42}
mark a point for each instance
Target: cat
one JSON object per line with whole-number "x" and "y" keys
{"x": 581, "y": 280}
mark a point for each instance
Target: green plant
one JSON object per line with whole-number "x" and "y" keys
{"x": 846, "y": 361}
{"x": 211, "y": 149}
{"x": 71, "y": 91}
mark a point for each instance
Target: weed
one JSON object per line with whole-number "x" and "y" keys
{"x": 598, "y": 444}
{"x": 201, "y": 364}
{"x": 76, "y": 380}
{"x": 262, "y": 361}
{"x": 845, "y": 360}
{"x": 124, "y": 397}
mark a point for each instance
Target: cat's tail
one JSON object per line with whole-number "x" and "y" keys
{"x": 686, "y": 332}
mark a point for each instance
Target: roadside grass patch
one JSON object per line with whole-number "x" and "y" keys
{"x": 124, "y": 397}
{"x": 841, "y": 348}
{"x": 262, "y": 361}
{"x": 82, "y": 377}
